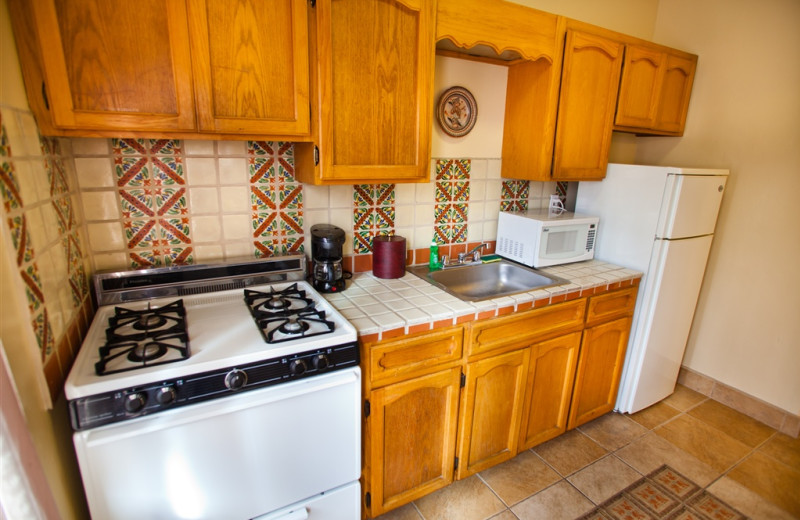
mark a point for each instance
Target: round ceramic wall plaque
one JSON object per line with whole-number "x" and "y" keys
{"x": 457, "y": 111}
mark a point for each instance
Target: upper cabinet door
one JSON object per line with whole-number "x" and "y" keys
{"x": 675, "y": 93}
{"x": 250, "y": 60}
{"x": 587, "y": 103}
{"x": 375, "y": 68}
{"x": 116, "y": 65}
{"x": 640, "y": 87}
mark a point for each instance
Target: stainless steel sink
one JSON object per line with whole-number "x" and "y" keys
{"x": 484, "y": 281}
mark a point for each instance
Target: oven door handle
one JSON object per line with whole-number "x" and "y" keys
{"x": 297, "y": 514}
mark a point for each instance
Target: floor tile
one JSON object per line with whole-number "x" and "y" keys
{"x": 771, "y": 479}
{"x": 655, "y": 415}
{"x": 570, "y": 452}
{"x": 558, "y": 502}
{"x": 650, "y": 452}
{"x": 736, "y": 424}
{"x": 406, "y": 512}
{"x": 613, "y": 430}
{"x": 519, "y": 477}
{"x": 712, "y": 446}
{"x": 468, "y": 499}
{"x": 683, "y": 398}
{"x": 603, "y": 479}
{"x": 784, "y": 448}
{"x": 746, "y": 501}
{"x": 505, "y": 515}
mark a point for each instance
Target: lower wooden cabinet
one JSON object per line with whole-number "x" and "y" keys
{"x": 412, "y": 433}
{"x": 548, "y": 390}
{"x": 491, "y": 408}
{"x": 450, "y": 403}
{"x": 599, "y": 369}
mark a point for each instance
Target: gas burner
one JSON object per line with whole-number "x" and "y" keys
{"x": 143, "y": 338}
{"x": 286, "y": 314}
{"x": 277, "y": 302}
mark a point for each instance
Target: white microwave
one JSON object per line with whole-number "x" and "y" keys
{"x": 539, "y": 238}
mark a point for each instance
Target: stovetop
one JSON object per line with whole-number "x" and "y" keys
{"x": 222, "y": 333}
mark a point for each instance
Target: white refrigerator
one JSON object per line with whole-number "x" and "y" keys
{"x": 658, "y": 220}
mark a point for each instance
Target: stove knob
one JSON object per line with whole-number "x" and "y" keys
{"x": 135, "y": 402}
{"x": 297, "y": 367}
{"x": 320, "y": 362}
{"x": 165, "y": 395}
{"x": 235, "y": 379}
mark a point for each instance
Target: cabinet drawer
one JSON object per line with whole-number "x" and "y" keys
{"x": 403, "y": 357}
{"x": 611, "y": 305}
{"x": 521, "y": 329}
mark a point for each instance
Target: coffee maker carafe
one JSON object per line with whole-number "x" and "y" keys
{"x": 326, "y": 255}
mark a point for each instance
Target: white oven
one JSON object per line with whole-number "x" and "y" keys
{"x": 234, "y": 419}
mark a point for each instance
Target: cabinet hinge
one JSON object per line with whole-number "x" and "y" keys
{"x": 463, "y": 380}
{"x": 366, "y": 408}
{"x": 455, "y": 464}
{"x": 316, "y": 155}
{"x": 313, "y": 3}
{"x": 368, "y": 499}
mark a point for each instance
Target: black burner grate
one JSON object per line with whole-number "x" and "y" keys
{"x": 286, "y": 314}
{"x": 142, "y": 338}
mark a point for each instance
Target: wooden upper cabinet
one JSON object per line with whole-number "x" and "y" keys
{"x": 250, "y": 61}
{"x": 676, "y": 90}
{"x": 655, "y": 89}
{"x": 108, "y": 65}
{"x": 586, "y": 106}
{"x": 375, "y": 62}
{"x": 640, "y": 87}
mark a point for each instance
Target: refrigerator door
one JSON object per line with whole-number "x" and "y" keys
{"x": 663, "y": 318}
{"x": 690, "y": 205}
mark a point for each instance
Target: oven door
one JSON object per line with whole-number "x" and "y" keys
{"x": 232, "y": 458}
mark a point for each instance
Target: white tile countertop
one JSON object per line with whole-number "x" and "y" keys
{"x": 383, "y": 308}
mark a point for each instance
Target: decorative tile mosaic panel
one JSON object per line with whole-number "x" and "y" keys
{"x": 452, "y": 201}
{"x": 561, "y": 190}
{"x": 276, "y": 199}
{"x": 152, "y": 188}
{"x": 373, "y": 214}
{"x": 69, "y": 243}
{"x": 514, "y": 195}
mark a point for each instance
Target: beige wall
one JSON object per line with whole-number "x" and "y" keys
{"x": 744, "y": 115}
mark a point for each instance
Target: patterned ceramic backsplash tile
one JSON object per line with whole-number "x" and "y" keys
{"x": 158, "y": 202}
{"x": 42, "y": 217}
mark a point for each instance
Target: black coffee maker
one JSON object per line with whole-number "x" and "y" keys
{"x": 326, "y": 255}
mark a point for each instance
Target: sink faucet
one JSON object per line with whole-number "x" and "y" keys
{"x": 475, "y": 252}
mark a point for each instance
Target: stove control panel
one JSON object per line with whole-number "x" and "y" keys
{"x": 130, "y": 403}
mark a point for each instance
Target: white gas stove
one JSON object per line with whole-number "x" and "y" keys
{"x": 243, "y": 360}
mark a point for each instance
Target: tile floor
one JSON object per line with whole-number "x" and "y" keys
{"x": 742, "y": 461}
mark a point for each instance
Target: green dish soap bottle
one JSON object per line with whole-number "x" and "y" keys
{"x": 433, "y": 261}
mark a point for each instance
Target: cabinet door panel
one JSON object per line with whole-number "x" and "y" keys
{"x": 375, "y": 68}
{"x": 599, "y": 367}
{"x": 640, "y": 87}
{"x": 491, "y": 408}
{"x": 587, "y": 103}
{"x": 117, "y": 65}
{"x": 549, "y": 390}
{"x": 413, "y": 431}
{"x": 251, "y": 63}
{"x": 675, "y": 93}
